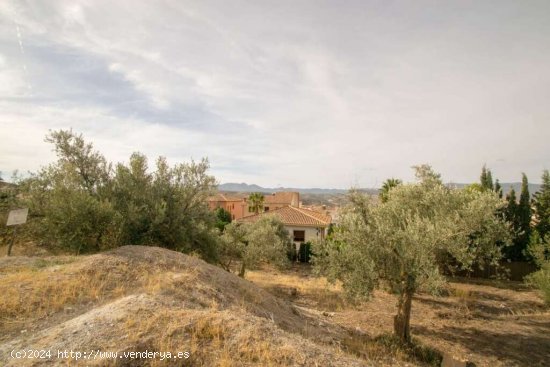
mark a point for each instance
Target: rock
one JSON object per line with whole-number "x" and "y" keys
{"x": 451, "y": 361}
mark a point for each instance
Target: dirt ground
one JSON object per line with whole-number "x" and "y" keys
{"x": 138, "y": 298}
{"x": 491, "y": 323}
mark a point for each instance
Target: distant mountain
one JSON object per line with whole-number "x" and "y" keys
{"x": 244, "y": 187}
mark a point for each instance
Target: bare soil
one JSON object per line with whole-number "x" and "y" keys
{"x": 144, "y": 298}
{"x": 488, "y": 322}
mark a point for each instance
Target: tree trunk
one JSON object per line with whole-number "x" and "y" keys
{"x": 243, "y": 269}
{"x": 401, "y": 321}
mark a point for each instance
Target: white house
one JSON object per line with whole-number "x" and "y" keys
{"x": 303, "y": 225}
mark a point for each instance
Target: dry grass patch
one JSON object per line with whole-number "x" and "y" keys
{"x": 305, "y": 289}
{"x": 48, "y": 286}
{"x": 217, "y": 338}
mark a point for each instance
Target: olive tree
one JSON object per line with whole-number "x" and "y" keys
{"x": 254, "y": 242}
{"x": 80, "y": 203}
{"x": 68, "y": 199}
{"x": 397, "y": 243}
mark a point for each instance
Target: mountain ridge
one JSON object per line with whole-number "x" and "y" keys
{"x": 244, "y": 187}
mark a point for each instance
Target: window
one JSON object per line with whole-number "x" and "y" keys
{"x": 266, "y": 209}
{"x": 299, "y": 236}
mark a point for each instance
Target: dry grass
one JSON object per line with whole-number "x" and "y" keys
{"x": 300, "y": 286}
{"x": 491, "y": 323}
{"x": 136, "y": 299}
{"x": 36, "y": 291}
{"x": 47, "y": 286}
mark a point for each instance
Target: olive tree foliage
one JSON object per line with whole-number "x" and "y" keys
{"x": 69, "y": 198}
{"x": 397, "y": 243}
{"x": 85, "y": 205}
{"x": 265, "y": 240}
{"x": 166, "y": 207}
{"x": 539, "y": 250}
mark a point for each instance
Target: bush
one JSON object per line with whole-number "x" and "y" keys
{"x": 539, "y": 251}
{"x": 541, "y": 280}
{"x": 252, "y": 243}
{"x": 81, "y": 204}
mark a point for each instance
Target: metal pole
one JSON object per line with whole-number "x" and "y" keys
{"x": 12, "y": 240}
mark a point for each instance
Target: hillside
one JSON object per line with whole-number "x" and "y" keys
{"x": 144, "y": 298}
{"x": 137, "y": 299}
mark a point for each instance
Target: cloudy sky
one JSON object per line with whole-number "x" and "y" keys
{"x": 293, "y": 93}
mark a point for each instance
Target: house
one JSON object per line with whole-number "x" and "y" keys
{"x": 278, "y": 200}
{"x": 303, "y": 225}
{"x": 331, "y": 211}
{"x": 240, "y": 208}
{"x": 234, "y": 205}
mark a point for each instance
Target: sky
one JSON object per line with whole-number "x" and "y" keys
{"x": 328, "y": 94}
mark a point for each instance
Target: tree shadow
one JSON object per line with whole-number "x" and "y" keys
{"x": 531, "y": 349}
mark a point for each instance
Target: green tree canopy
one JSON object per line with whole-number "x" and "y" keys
{"x": 524, "y": 217}
{"x": 389, "y": 184}
{"x": 251, "y": 243}
{"x": 223, "y": 218}
{"x": 498, "y": 189}
{"x": 256, "y": 202}
{"x": 398, "y": 242}
{"x": 82, "y": 204}
{"x": 541, "y": 203}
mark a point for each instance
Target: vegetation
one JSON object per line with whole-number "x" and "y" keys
{"x": 256, "y": 202}
{"x": 389, "y": 184}
{"x": 486, "y": 179}
{"x": 539, "y": 249}
{"x": 82, "y": 204}
{"x": 541, "y": 204}
{"x": 518, "y": 214}
{"x": 251, "y": 243}
{"x": 223, "y": 218}
{"x": 398, "y": 242}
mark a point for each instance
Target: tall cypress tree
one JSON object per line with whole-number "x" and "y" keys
{"x": 483, "y": 177}
{"x": 524, "y": 215}
{"x": 489, "y": 183}
{"x": 498, "y": 188}
{"x": 541, "y": 203}
{"x": 511, "y": 214}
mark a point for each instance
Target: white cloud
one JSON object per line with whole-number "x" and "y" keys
{"x": 301, "y": 94}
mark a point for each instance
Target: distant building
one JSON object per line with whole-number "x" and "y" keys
{"x": 280, "y": 200}
{"x": 233, "y": 204}
{"x": 303, "y": 225}
{"x": 240, "y": 208}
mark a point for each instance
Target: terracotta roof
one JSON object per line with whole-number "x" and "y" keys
{"x": 282, "y": 197}
{"x": 222, "y": 197}
{"x": 293, "y": 216}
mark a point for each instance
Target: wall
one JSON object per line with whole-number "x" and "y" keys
{"x": 311, "y": 233}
